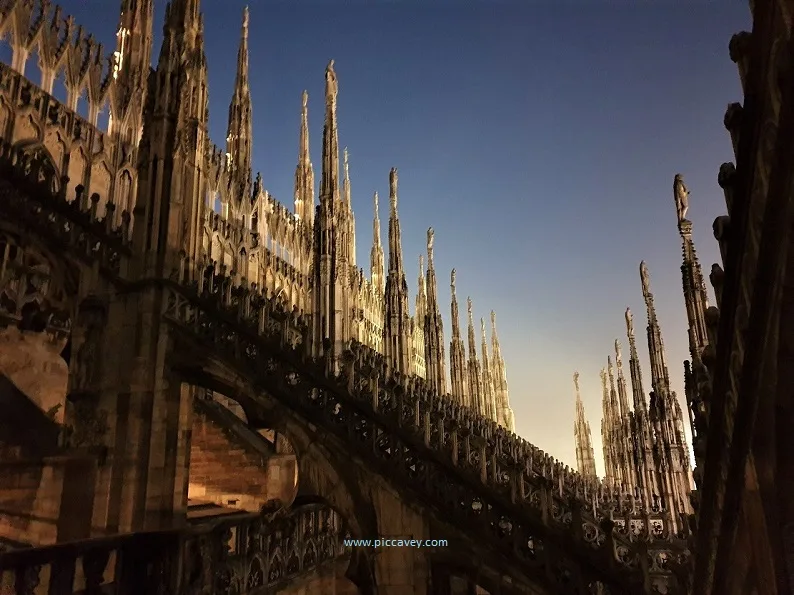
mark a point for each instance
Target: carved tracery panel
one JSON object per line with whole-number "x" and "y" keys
{"x": 32, "y": 292}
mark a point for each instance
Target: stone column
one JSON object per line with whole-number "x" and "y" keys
{"x": 133, "y": 412}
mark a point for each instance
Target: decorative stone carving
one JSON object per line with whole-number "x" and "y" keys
{"x": 84, "y": 371}
{"x": 681, "y": 195}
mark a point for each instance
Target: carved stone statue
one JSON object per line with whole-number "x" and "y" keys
{"x": 681, "y": 195}
{"x": 618, "y": 353}
{"x": 331, "y": 85}
{"x": 393, "y": 188}
{"x": 430, "y": 237}
{"x": 87, "y": 355}
{"x": 576, "y": 381}
{"x": 305, "y": 100}
{"x": 629, "y": 322}
{"x": 452, "y": 281}
{"x": 646, "y": 284}
{"x": 603, "y": 378}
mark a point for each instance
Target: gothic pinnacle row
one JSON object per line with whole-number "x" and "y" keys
{"x": 376, "y": 257}
{"x": 660, "y": 378}
{"x": 396, "y": 322}
{"x": 645, "y": 449}
{"x": 635, "y": 370}
{"x": 411, "y": 344}
{"x": 505, "y": 413}
{"x": 240, "y": 127}
{"x": 585, "y": 455}
{"x": 329, "y": 184}
{"x": 457, "y": 353}
{"x": 434, "y": 327}
{"x": 694, "y": 286}
{"x": 304, "y": 172}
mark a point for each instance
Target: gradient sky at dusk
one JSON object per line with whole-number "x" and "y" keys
{"x": 539, "y": 139}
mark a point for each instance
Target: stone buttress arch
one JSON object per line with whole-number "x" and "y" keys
{"x": 320, "y": 470}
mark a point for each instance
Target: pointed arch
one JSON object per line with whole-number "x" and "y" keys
{"x": 78, "y": 165}
{"x": 6, "y": 47}
{"x": 83, "y": 105}
{"x": 104, "y": 116}
{"x": 275, "y": 566}
{"x": 50, "y": 170}
{"x": 124, "y": 196}
{"x": 255, "y": 577}
{"x": 60, "y": 90}
{"x": 33, "y": 71}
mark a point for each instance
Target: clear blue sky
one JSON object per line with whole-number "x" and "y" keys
{"x": 539, "y": 139}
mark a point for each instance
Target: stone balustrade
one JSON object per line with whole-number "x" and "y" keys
{"x": 240, "y": 554}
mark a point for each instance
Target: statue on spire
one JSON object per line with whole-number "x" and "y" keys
{"x": 430, "y": 236}
{"x": 393, "y": 188}
{"x": 469, "y": 308}
{"x": 245, "y": 22}
{"x": 681, "y": 195}
{"x": 452, "y": 283}
{"x": 618, "y": 353}
{"x": 305, "y": 103}
{"x": 331, "y": 85}
{"x": 576, "y": 382}
{"x": 629, "y": 322}
{"x": 644, "y": 277}
{"x": 346, "y": 164}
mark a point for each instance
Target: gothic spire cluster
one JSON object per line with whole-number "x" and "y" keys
{"x": 307, "y": 254}
{"x": 645, "y": 448}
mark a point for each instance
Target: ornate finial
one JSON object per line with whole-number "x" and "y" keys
{"x": 646, "y": 284}
{"x": 305, "y": 100}
{"x": 576, "y": 382}
{"x": 245, "y": 22}
{"x": 681, "y": 196}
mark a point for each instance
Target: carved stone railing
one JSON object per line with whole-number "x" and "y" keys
{"x": 33, "y": 198}
{"x": 496, "y": 489}
{"x": 243, "y": 554}
{"x": 141, "y": 562}
{"x": 238, "y": 555}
